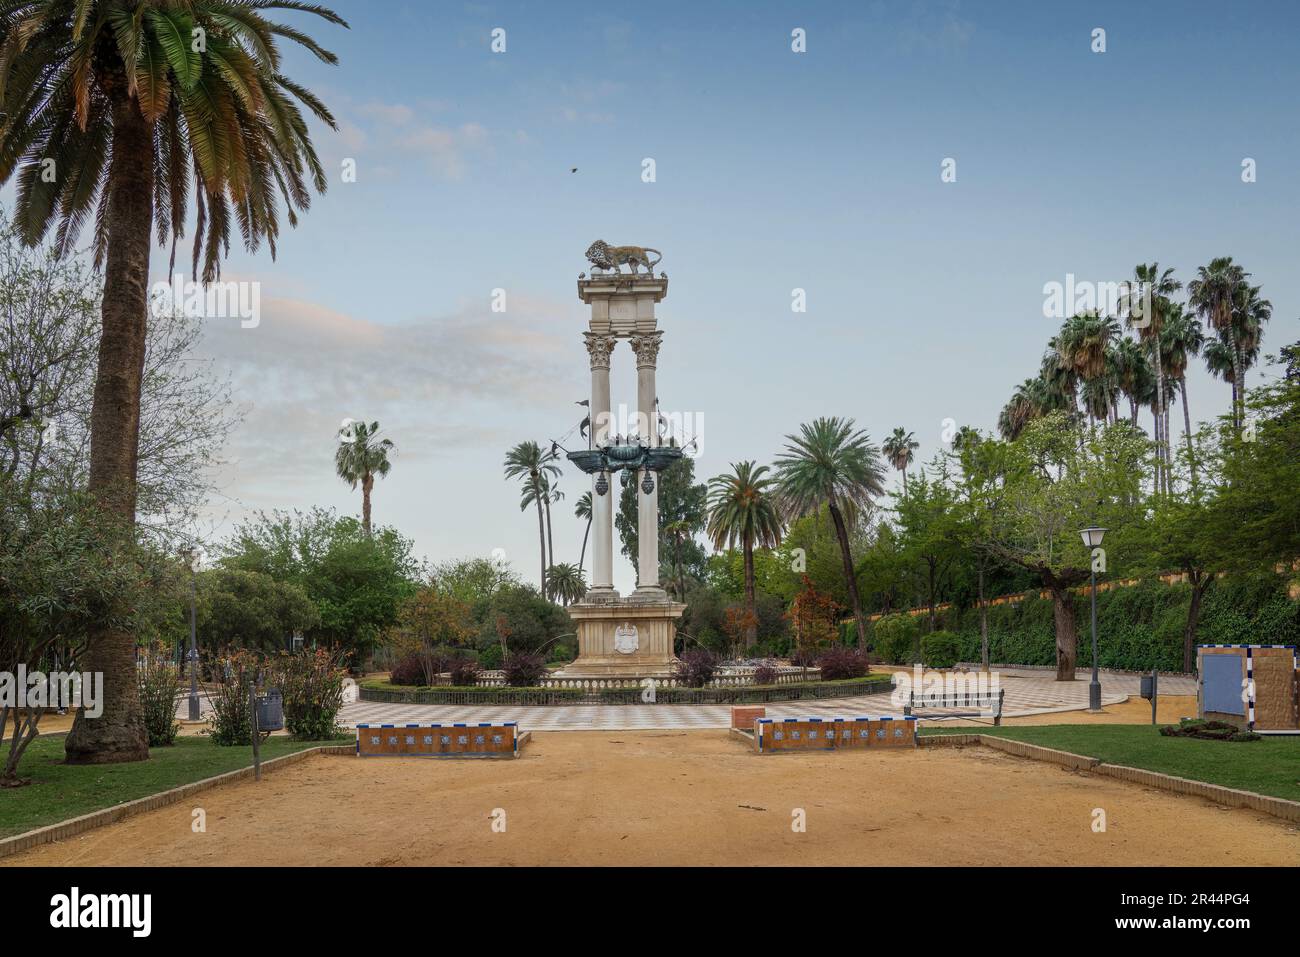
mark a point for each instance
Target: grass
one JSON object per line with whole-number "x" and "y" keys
{"x": 1268, "y": 766}
{"x": 58, "y": 791}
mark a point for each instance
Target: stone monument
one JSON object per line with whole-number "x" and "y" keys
{"x": 624, "y": 636}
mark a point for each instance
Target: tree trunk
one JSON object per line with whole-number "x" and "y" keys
{"x": 367, "y": 483}
{"x": 582, "y": 557}
{"x": 1187, "y": 430}
{"x": 984, "y": 622}
{"x": 751, "y": 625}
{"x": 541, "y": 533}
{"x": 550, "y": 540}
{"x": 904, "y": 471}
{"x": 1199, "y": 581}
{"x": 1239, "y": 381}
{"x": 1067, "y": 637}
{"x": 118, "y": 734}
{"x": 842, "y": 533}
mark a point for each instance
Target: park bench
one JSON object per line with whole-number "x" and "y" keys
{"x": 977, "y": 704}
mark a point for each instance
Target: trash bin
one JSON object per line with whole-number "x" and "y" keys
{"x": 1148, "y": 686}
{"x": 270, "y": 711}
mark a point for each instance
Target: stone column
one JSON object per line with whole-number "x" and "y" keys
{"x": 646, "y": 347}
{"x": 599, "y": 348}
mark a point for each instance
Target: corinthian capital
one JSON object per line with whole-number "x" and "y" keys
{"x": 646, "y": 348}
{"x": 598, "y": 348}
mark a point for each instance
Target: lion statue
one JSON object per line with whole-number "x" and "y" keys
{"x": 602, "y": 254}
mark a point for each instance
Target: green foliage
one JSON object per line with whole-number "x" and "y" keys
{"x": 940, "y": 649}
{"x": 247, "y": 609}
{"x": 356, "y": 582}
{"x": 160, "y": 689}
{"x": 311, "y": 684}
{"x": 682, "y": 516}
{"x": 894, "y": 637}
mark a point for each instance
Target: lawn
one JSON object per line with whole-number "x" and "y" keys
{"x": 59, "y": 792}
{"x": 1269, "y": 766}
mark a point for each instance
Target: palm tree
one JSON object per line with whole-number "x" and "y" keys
{"x": 528, "y": 462}
{"x": 582, "y": 510}
{"x": 1135, "y": 378}
{"x": 1182, "y": 338}
{"x": 566, "y": 582}
{"x": 898, "y": 450}
{"x": 1147, "y": 304}
{"x": 831, "y": 464}
{"x": 1032, "y": 399}
{"x": 360, "y": 456}
{"x": 1214, "y": 294}
{"x": 743, "y": 509}
{"x": 122, "y": 104}
{"x": 549, "y": 494}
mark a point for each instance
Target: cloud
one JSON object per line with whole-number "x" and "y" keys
{"x": 436, "y": 381}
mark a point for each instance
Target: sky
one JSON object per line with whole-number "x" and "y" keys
{"x": 775, "y": 170}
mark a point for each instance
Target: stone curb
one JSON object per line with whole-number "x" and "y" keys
{"x": 1019, "y": 748}
{"x": 947, "y": 740}
{"x": 1230, "y": 797}
{"x": 120, "y": 812}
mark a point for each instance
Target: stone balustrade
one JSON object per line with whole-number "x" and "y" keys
{"x": 731, "y": 677}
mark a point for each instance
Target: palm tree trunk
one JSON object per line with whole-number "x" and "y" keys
{"x": 550, "y": 541}
{"x": 367, "y": 483}
{"x": 751, "y": 626}
{"x": 850, "y": 580}
{"x": 582, "y": 557}
{"x": 1187, "y": 429}
{"x": 904, "y": 471}
{"x": 118, "y": 734}
{"x": 1238, "y": 381}
{"x": 541, "y": 533}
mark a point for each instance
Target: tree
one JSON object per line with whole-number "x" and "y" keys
{"x": 64, "y": 567}
{"x": 1056, "y": 485}
{"x": 1214, "y": 294}
{"x": 361, "y": 455}
{"x": 248, "y": 609}
{"x": 430, "y": 623}
{"x": 831, "y": 463}
{"x": 528, "y": 463}
{"x": 898, "y": 449}
{"x": 1181, "y": 339}
{"x": 1148, "y": 307}
{"x": 743, "y": 510}
{"x": 356, "y": 581}
{"x": 929, "y": 522}
{"x": 110, "y": 106}
{"x": 582, "y": 511}
{"x": 566, "y": 582}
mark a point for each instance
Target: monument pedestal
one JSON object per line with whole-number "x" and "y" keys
{"x": 625, "y": 638}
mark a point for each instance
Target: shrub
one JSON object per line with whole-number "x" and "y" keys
{"x": 840, "y": 663}
{"x": 231, "y": 720}
{"x": 160, "y": 689}
{"x": 311, "y": 684}
{"x": 696, "y": 667}
{"x": 764, "y": 675}
{"x": 464, "y": 672}
{"x": 894, "y": 637}
{"x": 523, "y": 670}
{"x": 940, "y": 649}
{"x": 408, "y": 671}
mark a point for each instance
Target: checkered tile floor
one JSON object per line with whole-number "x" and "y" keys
{"x": 1026, "y": 693}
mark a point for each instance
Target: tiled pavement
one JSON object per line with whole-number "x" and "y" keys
{"x": 1026, "y": 693}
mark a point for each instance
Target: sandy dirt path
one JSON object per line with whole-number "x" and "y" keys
{"x": 662, "y": 798}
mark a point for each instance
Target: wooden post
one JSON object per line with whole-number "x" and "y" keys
{"x": 252, "y": 723}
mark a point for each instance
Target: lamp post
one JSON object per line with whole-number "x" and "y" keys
{"x": 1092, "y": 536}
{"x": 193, "y": 656}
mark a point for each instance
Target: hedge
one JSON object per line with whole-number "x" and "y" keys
{"x": 1138, "y": 628}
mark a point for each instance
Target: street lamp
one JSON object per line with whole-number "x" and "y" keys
{"x": 1092, "y": 536}
{"x": 194, "y": 555}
